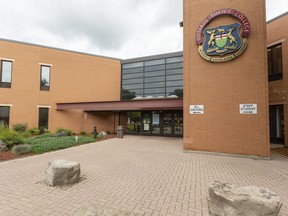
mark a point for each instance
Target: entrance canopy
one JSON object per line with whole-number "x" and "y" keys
{"x": 151, "y": 104}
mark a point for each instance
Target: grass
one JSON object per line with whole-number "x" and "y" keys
{"x": 48, "y": 142}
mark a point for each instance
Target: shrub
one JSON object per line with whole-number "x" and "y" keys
{"x": 63, "y": 132}
{"x": 83, "y": 133}
{"x": 34, "y": 131}
{"x": 20, "y": 127}
{"x": 21, "y": 149}
{"x": 11, "y": 137}
{"x": 108, "y": 132}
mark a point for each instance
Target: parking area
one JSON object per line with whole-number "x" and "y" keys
{"x": 145, "y": 175}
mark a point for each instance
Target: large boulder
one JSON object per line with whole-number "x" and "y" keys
{"x": 62, "y": 172}
{"x": 3, "y": 146}
{"x": 229, "y": 200}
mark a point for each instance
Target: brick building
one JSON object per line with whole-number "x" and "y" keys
{"x": 52, "y": 88}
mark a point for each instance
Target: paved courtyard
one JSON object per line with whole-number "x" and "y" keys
{"x": 146, "y": 175}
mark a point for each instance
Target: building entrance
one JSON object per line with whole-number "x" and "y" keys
{"x": 276, "y": 117}
{"x": 158, "y": 123}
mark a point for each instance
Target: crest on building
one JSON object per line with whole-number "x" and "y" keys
{"x": 225, "y": 42}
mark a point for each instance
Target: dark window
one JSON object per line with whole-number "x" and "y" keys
{"x": 276, "y": 117}
{"x": 274, "y": 54}
{"x": 45, "y": 78}
{"x": 133, "y": 65}
{"x": 43, "y": 117}
{"x": 4, "y": 116}
{"x": 6, "y": 74}
{"x": 132, "y": 81}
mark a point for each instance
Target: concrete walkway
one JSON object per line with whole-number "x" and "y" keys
{"x": 146, "y": 175}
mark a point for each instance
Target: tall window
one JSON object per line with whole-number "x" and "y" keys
{"x": 45, "y": 78}
{"x": 4, "y": 116}
{"x": 274, "y": 54}
{"x": 6, "y": 74}
{"x": 153, "y": 78}
{"x": 43, "y": 117}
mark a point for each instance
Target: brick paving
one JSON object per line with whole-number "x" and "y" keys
{"x": 145, "y": 175}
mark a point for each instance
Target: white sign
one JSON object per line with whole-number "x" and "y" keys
{"x": 248, "y": 108}
{"x": 196, "y": 109}
{"x": 155, "y": 118}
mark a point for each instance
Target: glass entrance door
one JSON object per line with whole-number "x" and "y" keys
{"x": 146, "y": 123}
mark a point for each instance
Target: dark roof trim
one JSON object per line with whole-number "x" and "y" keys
{"x": 54, "y": 48}
{"x": 278, "y": 17}
{"x": 151, "y": 104}
{"x": 152, "y": 57}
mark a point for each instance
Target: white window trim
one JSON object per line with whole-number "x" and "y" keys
{"x": 43, "y": 106}
{"x": 6, "y": 59}
{"x": 45, "y": 64}
{"x": 9, "y": 105}
{"x": 276, "y": 42}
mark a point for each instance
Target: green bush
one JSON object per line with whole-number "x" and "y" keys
{"x": 34, "y": 131}
{"x": 83, "y": 133}
{"x": 11, "y": 137}
{"x": 63, "y": 132}
{"x": 20, "y": 127}
{"x": 21, "y": 149}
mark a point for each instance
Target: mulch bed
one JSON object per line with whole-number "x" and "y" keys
{"x": 8, "y": 155}
{"x": 282, "y": 151}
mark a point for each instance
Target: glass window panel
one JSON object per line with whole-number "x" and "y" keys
{"x": 154, "y": 79}
{"x": 155, "y": 95}
{"x": 270, "y": 68}
{"x": 43, "y": 117}
{"x": 133, "y": 122}
{"x": 174, "y": 83}
{"x": 45, "y": 76}
{"x": 134, "y": 86}
{"x": 154, "y": 62}
{"x": 175, "y": 91}
{"x": 174, "y": 77}
{"x": 174, "y": 65}
{"x": 174, "y": 71}
{"x": 132, "y": 81}
{"x": 154, "y": 85}
{"x": 132, "y": 65}
{"x": 6, "y": 71}
{"x": 279, "y": 59}
{"x": 132, "y": 91}
{"x": 4, "y": 116}
{"x": 154, "y": 73}
{"x": 174, "y": 59}
{"x": 153, "y": 68}
{"x": 131, "y": 76}
{"x": 154, "y": 90}
{"x": 132, "y": 70}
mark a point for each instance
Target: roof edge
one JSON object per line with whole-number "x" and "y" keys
{"x": 55, "y": 48}
{"x": 278, "y": 17}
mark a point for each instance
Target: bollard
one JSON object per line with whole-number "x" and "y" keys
{"x": 119, "y": 131}
{"x": 95, "y": 132}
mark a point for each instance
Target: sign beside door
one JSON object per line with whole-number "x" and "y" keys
{"x": 248, "y": 108}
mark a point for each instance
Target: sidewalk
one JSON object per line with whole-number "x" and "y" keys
{"x": 146, "y": 175}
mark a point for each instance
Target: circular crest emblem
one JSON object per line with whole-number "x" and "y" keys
{"x": 225, "y": 42}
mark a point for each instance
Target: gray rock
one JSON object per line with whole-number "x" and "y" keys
{"x": 62, "y": 172}
{"x": 229, "y": 200}
{"x": 102, "y": 211}
{"x": 3, "y": 146}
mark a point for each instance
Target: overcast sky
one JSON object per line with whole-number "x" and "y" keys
{"x": 122, "y": 29}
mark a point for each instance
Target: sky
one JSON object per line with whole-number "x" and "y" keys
{"x": 121, "y": 29}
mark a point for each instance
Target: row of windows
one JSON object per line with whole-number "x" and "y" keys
{"x": 152, "y": 68}
{"x": 153, "y": 62}
{"x": 6, "y": 75}
{"x": 154, "y": 92}
{"x": 42, "y": 118}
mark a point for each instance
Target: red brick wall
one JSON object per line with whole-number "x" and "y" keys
{"x": 277, "y": 32}
{"x": 222, "y": 87}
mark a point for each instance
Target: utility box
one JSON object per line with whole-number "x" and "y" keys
{"x": 119, "y": 131}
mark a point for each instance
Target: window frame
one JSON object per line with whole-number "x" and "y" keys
{"x": 5, "y": 84}
{"x": 274, "y": 76}
{"x": 9, "y": 110}
{"x": 45, "y": 88}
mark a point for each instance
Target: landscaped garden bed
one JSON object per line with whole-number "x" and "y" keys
{"x": 22, "y": 142}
